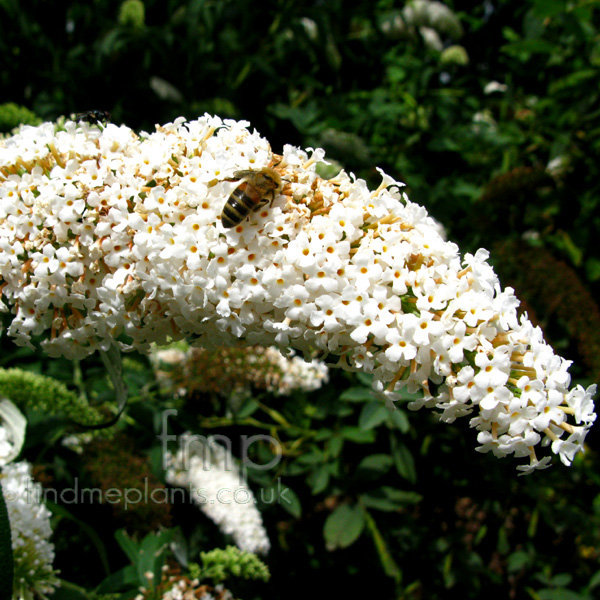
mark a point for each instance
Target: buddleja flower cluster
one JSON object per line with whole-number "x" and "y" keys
{"x": 189, "y": 370}
{"x": 208, "y": 471}
{"x": 107, "y": 235}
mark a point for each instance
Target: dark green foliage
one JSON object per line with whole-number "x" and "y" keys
{"x": 12, "y": 115}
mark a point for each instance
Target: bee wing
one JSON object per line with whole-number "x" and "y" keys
{"x": 243, "y": 174}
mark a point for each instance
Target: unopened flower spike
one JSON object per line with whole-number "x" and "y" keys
{"x": 186, "y": 371}
{"x": 106, "y": 235}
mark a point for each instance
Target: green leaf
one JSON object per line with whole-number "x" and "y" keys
{"x": 481, "y": 533}
{"x": 365, "y": 378}
{"x": 335, "y": 445}
{"x": 594, "y": 581}
{"x": 517, "y": 560}
{"x": 397, "y": 418}
{"x": 533, "y": 523}
{"x": 503, "y": 545}
{"x": 289, "y": 501}
{"x": 322, "y": 435}
{"x": 334, "y": 58}
{"x": 69, "y": 591}
{"x": 592, "y": 268}
{"x": 318, "y": 479}
{"x": 122, "y": 580}
{"x": 389, "y": 499}
{"x": 524, "y": 48}
{"x": 358, "y": 435}
{"x": 128, "y": 546}
{"x": 447, "y": 573}
{"x": 343, "y": 526}
{"x": 305, "y": 118}
{"x": 357, "y": 394}
{"x": 403, "y": 459}
{"x": 561, "y": 579}
{"x": 554, "y": 594}
{"x": 548, "y": 8}
{"x": 374, "y": 466}
{"x": 372, "y": 415}
{"x": 247, "y": 408}
{"x": 6, "y": 554}
{"x": 151, "y": 556}
{"x": 156, "y": 461}
{"x": 147, "y": 556}
{"x": 389, "y": 564}
{"x": 313, "y": 457}
{"x": 180, "y": 547}
{"x": 572, "y": 80}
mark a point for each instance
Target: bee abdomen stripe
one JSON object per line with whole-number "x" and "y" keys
{"x": 243, "y": 200}
{"x": 236, "y": 209}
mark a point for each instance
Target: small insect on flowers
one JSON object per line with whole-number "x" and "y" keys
{"x": 258, "y": 187}
{"x": 93, "y": 117}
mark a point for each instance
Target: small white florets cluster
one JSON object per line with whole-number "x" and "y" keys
{"x": 105, "y": 235}
{"x": 30, "y": 531}
{"x": 293, "y": 373}
{"x": 209, "y": 472}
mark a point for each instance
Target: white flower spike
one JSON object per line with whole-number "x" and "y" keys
{"x": 210, "y": 474}
{"x": 105, "y": 235}
{"x": 30, "y": 530}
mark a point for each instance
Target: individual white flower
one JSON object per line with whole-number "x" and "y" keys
{"x": 486, "y": 118}
{"x": 311, "y": 28}
{"x": 208, "y": 471}
{"x": 493, "y": 370}
{"x": 534, "y": 464}
{"x": 328, "y": 267}
{"x": 494, "y": 86}
{"x": 558, "y": 166}
{"x": 582, "y": 404}
{"x": 77, "y": 441}
{"x": 431, "y": 38}
{"x": 567, "y": 449}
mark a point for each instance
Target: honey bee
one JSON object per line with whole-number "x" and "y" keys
{"x": 258, "y": 187}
